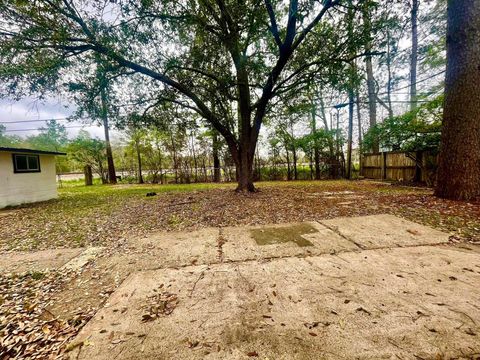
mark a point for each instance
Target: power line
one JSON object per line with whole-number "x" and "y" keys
{"x": 30, "y": 121}
{"x": 417, "y": 82}
{"x": 38, "y": 129}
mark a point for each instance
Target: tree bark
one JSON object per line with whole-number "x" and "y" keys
{"x": 289, "y": 172}
{"x": 372, "y": 103}
{"x": 350, "y": 132}
{"x": 87, "y": 170}
{"x": 414, "y": 54}
{"x": 112, "y": 177}
{"x": 316, "y": 150}
{"x": 359, "y": 122}
{"x": 389, "y": 76}
{"x": 459, "y": 159}
{"x": 351, "y": 95}
{"x": 245, "y": 173}
{"x": 139, "y": 161}
{"x": 216, "y": 159}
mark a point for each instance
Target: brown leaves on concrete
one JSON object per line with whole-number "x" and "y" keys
{"x": 159, "y": 304}
{"x": 27, "y": 329}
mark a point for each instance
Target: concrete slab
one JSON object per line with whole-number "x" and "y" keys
{"x": 83, "y": 259}
{"x": 240, "y": 244}
{"x": 380, "y": 231}
{"x": 176, "y": 249}
{"x": 417, "y": 302}
{"x": 18, "y": 262}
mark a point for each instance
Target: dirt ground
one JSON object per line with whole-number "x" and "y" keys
{"x": 351, "y": 287}
{"x": 105, "y": 216}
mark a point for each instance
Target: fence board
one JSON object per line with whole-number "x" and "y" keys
{"x": 399, "y": 166}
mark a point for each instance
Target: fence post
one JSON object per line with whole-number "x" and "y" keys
{"x": 418, "y": 166}
{"x": 383, "y": 164}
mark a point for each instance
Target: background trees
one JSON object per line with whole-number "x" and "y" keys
{"x": 240, "y": 55}
{"x": 208, "y": 79}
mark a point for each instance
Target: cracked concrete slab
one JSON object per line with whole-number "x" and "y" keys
{"x": 176, "y": 249}
{"x": 240, "y": 243}
{"x": 416, "y": 302}
{"x": 379, "y": 231}
{"x": 19, "y": 262}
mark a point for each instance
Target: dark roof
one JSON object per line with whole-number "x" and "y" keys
{"x": 30, "y": 151}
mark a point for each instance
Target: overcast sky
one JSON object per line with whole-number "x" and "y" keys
{"x": 21, "y": 112}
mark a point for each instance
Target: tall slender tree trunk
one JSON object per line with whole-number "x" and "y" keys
{"x": 295, "y": 170}
{"x": 351, "y": 96}
{"x": 459, "y": 160}
{"x": 175, "y": 159}
{"x": 389, "y": 76}
{"x": 351, "y": 100}
{"x": 139, "y": 161}
{"x": 216, "y": 158}
{"x": 337, "y": 141}
{"x": 112, "y": 177}
{"x": 289, "y": 172}
{"x": 359, "y": 123}
{"x": 157, "y": 144}
{"x": 316, "y": 150}
{"x": 372, "y": 103}
{"x": 332, "y": 158}
{"x": 194, "y": 153}
{"x": 414, "y": 54}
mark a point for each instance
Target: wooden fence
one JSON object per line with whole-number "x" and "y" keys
{"x": 417, "y": 166}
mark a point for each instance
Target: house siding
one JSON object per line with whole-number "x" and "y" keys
{"x": 21, "y": 188}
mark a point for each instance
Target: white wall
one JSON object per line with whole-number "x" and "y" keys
{"x": 23, "y": 188}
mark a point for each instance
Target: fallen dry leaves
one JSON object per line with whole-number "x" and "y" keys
{"x": 27, "y": 329}
{"x": 30, "y": 228}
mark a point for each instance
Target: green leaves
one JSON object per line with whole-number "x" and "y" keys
{"x": 414, "y": 130}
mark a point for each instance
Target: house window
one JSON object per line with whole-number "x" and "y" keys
{"x": 26, "y": 163}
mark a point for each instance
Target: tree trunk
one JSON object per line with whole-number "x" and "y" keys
{"x": 414, "y": 55}
{"x": 459, "y": 160}
{"x": 139, "y": 161}
{"x": 245, "y": 172}
{"x": 289, "y": 172}
{"x": 359, "y": 121}
{"x": 337, "y": 141}
{"x": 112, "y": 178}
{"x": 216, "y": 159}
{"x": 87, "y": 170}
{"x": 389, "y": 76}
{"x": 350, "y": 95}
{"x": 195, "y": 163}
{"x": 350, "y": 133}
{"x": 160, "y": 161}
{"x": 372, "y": 104}
{"x": 175, "y": 160}
{"x": 316, "y": 150}
{"x": 295, "y": 170}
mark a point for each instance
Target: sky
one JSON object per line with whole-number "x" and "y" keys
{"x": 19, "y": 117}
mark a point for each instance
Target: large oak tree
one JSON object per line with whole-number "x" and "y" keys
{"x": 229, "y": 61}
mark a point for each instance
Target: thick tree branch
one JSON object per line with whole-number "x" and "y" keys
{"x": 273, "y": 23}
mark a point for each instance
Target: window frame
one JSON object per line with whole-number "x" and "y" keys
{"x": 15, "y": 167}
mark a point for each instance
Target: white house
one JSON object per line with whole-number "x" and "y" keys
{"x": 26, "y": 176}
